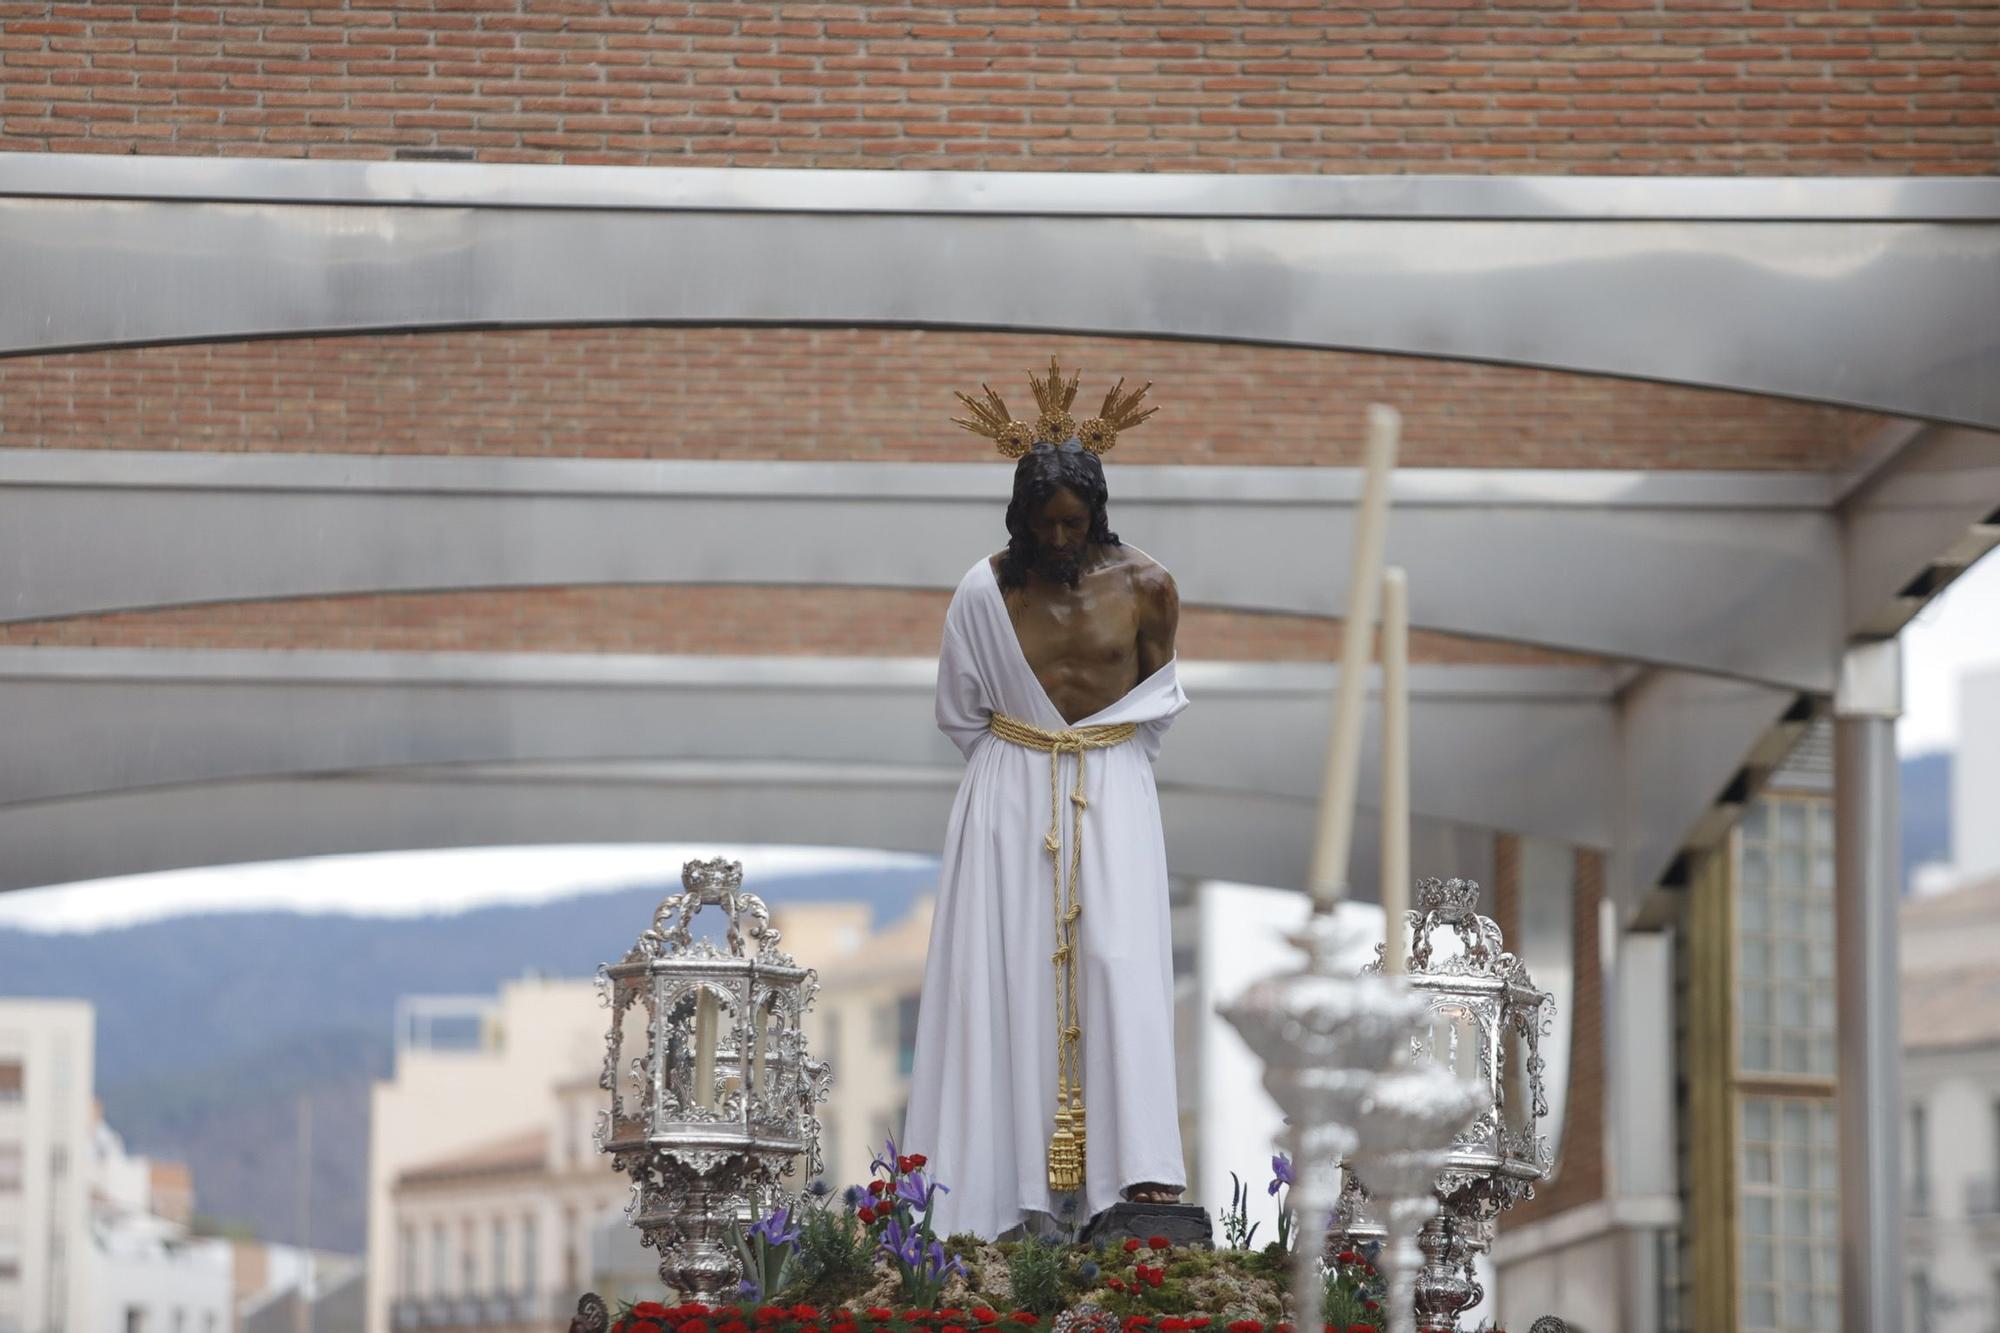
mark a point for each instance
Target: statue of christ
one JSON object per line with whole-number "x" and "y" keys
{"x": 1050, "y": 975}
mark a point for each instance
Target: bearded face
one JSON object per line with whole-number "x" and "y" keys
{"x": 1054, "y": 518}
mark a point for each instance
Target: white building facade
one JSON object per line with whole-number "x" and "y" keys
{"x": 45, "y": 1148}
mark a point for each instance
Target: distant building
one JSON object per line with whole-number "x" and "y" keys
{"x": 93, "y": 1239}
{"x": 1951, "y": 1084}
{"x": 46, "y": 1117}
{"x": 864, "y": 1022}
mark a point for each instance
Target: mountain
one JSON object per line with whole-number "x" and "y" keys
{"x": 210, "y": 1029}
{"x": 1926, "y": 801}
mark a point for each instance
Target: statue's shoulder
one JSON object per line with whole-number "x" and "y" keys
{"x": 1149, "y": 577}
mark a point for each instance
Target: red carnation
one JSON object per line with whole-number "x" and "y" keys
{"x": 918, "y": 1161}
{"x": 734, "y": 1326}
{"x": 1361, "y": 1328}
{"x": 643, "y": 1326}
{"x": 1132, "y": 1245}
{"x": 867, "y": 1214}
{"x": 877, "y": 1186}
{"x": 1023, "y": 1317}
{"x": 1137, "y": 1321}
{"x": 1246, "y": 1326}
{"x": 694, "y": 1326}
{"x": 950, "y": 1313}
{"x": 952, "y": 1328}
{"x": 1116, "y": 1284}
{"x": 985, "y": 1315}
{"x": 768, "y": 1313}
{"x": 1159, "y": 1242}
{"x": 1172, "y": 1325}
{"x": 805, "y": 1313}
{"x": 879, "y": 1313}
{"x": 649, "y": 1310}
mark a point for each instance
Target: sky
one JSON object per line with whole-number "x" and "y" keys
{"x": 391, "y": 884}
{"x": 1959, "y": 631}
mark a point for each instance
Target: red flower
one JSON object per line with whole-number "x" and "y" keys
{"x": 649, "y": 1310}
{"x": 949, "y": 1313}
{"x": 952, "y": 1328}
{"x": 1137, "y": 1321}
{"x": 867, "y": 1215}
{"x": 1371, "y": 1307}
{"x": 1199, "y": 1323}
{"x": 1246, "y": 1326}
{"x": 1347, "y": 1257}
{"x": 1173, "y": 1325}
{"x": 1023, "y": 1317}
{"x": 1131, "y": 1245}
{"x": 1159, "y": 1243}
{"x": 694, "y": 1326}
{"x": 768, "y": 1313}
{"x": 877, "y": 1186}
{"x": 985, "y": 1314}
{"x": 917, "y": 1316}
{"x": 643, "y": 1326}
{"x": 805, "y": 1313}
{"x": 734, "y": 1326}
{"x": 879, "y": 1314}
{"x": 1361, "y": 1328}
{"x": 1116, "y": 1284}
{"x": 903, "y": 1164}
{"x": 918, "y": 1161}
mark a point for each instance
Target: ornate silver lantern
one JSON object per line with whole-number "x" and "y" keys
{"x": 1486, "y": 1024}
{"x": 713, "y": 1094}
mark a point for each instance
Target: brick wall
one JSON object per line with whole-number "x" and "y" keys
{"x": 845, "y": 622}
{"x": 875, "y": 394}
{"x": 1769, "y": 87}
{"x": 1580, "y": 1161}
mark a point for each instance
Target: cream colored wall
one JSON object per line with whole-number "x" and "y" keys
{"x": 55, "y": 1041}
{"x": 853, "y": 1023}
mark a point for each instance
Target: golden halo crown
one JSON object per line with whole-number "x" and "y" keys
{"x": 1054, "y": 425}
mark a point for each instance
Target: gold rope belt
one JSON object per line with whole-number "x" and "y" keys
{"x": 1066, "y": 1146}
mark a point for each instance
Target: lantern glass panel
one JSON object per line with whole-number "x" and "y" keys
{"x": 629, "y": 1085}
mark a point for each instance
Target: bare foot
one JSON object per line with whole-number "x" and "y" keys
{"x": 1154, "y": 1194}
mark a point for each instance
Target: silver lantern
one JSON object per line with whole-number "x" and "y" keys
{"x": 712, "y": 1091}
{"x": 1486, "y": 1024}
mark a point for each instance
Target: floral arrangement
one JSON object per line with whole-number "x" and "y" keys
{"x": 871, "y": 1262}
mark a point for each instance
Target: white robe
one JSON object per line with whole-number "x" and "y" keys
{"x": 983, "y": 1087}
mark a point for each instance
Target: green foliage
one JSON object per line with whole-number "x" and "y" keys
{"x": 1035, "y": 1272}
{"x": 1238, "y": 1231}
{"x": 1350, "y": 1288}
{"x": 836, "y": 1256}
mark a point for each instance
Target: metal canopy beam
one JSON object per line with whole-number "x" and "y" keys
{"x": 96, "y": 721}
{"x": 1873, "y": 294}
{"x": 1736, "y": 574}
{"x": 1209, "y": 835}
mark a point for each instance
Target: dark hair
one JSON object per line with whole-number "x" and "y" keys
{"x": 1043, "y": 471}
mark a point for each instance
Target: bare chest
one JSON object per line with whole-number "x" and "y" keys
{"x": 1082, "y": 643}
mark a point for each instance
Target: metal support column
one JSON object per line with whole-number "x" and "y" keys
{"x": 1867, "y": 894}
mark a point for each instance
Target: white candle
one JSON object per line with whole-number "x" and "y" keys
{"x": 1343, "y": 751}
{"x": 1395, "y": 763}
{"x": 705, "y": 1015}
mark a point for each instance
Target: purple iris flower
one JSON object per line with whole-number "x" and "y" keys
{"x": 912, "y": 1190}
{"x": 943, "y": 1265}
{"x": 777, "y": 1229}
{"x": 906, "y": 1247}
{"x": 886, "y": 1160}
{"x": 1281, "y": 1172}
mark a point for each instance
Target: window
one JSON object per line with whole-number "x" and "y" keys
{"x": 440, "y": 1262}
{"x": 1784, "y": 939}
{"x": 906, "y": 1034}
{"x": 10, "y": 1254}
{"x": 135, "y": 1319}
{"x": 571, "y": 1277}
{"x": 498, "y": 1285}
{"x": 1920, "y": 1158}
{"x": 1789, "y": 1229}
{"x": 10, "y": 1168}
{"x": 406, "y": 1261}
{"x": 530, "y": 1283}
{"x": 468, "y": 1261}
{"x": 10, "y": 1080}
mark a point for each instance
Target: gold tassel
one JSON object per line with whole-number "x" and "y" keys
{"x": 1066, "y": 1152}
